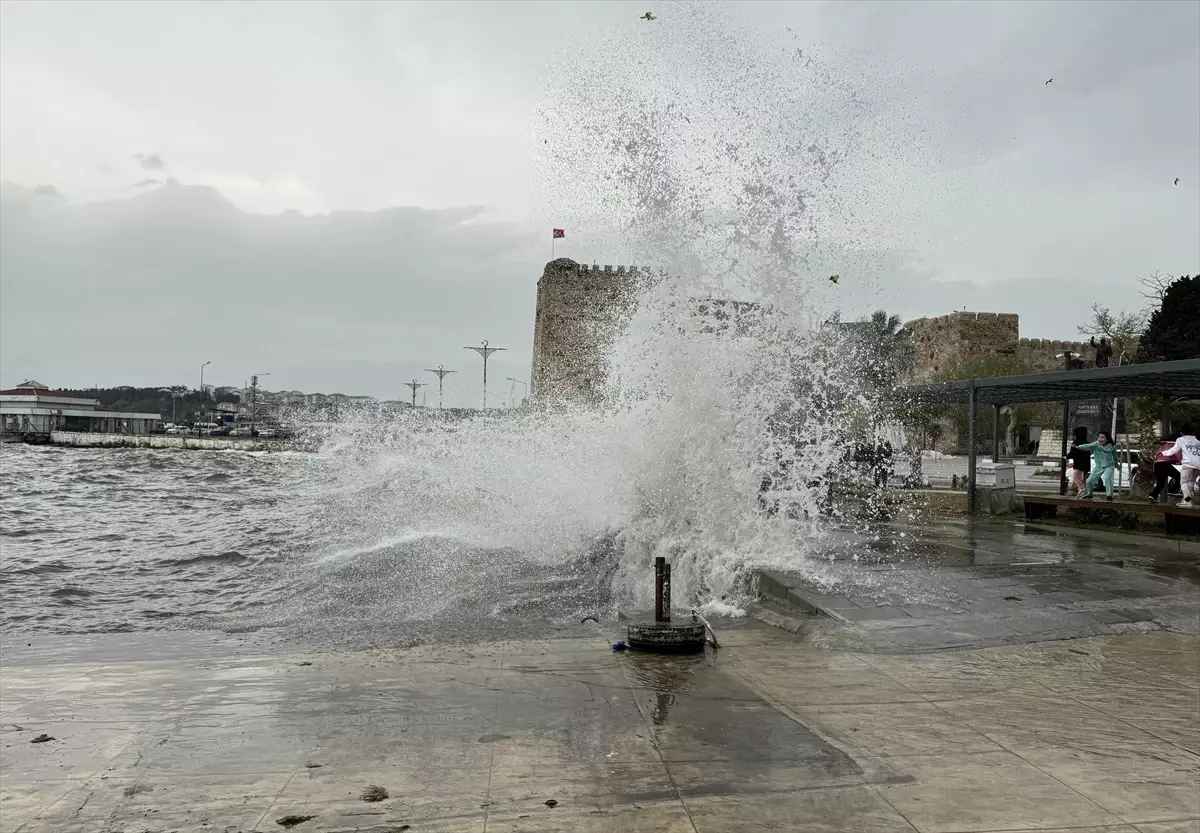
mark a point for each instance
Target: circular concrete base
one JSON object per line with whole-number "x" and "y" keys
{"x": 667, "y": 637}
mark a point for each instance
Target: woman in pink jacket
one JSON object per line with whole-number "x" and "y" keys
{"x": 1165, "y": 474}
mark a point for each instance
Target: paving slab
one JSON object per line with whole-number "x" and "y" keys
{"x": 769, "y": 733}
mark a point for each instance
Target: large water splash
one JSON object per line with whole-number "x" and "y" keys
{"x": 714, "y": 158}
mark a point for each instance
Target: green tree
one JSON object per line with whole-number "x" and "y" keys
{"x": 884, "y": 349}
{"x": 187, "y": 405}
{"x": 1173, "y": 331}
{"x": 1122, "y": 329}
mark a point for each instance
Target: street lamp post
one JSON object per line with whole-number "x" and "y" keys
{"x": 206, "y": 364}
{"x": 413, "y": 385}
{"x": 485, "y": 351}
{"x": 442, "y": 373}
{"x": 515, "y": 382}
{"x": 254, "y": 400}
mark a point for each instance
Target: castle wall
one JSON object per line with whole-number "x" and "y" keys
{"x": 946, "y": 341}
{"x": 942, "y": 343}
{"x": 1040, "y": 353}
{"x": 580, "y": 309}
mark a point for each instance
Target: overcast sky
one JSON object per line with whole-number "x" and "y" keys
{"x": 345, "y": 194}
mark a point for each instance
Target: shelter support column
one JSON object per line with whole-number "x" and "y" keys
{"x": 971, "y": 449}
{"x": 995, "y": 434}
{"x": 1062, "y": 463}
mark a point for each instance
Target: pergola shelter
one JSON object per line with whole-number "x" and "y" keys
{"x": 1164, "y": 380}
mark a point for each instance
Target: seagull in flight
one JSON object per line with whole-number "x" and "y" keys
{"x": 835, "y": 278}
{"x": 648, "y": 16}
{"x": 1047, "y": 84}
{"x": 1176, "y": 180}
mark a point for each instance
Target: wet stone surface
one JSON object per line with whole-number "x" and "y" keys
{"x": 1001, "y": 584}
{"x": 769, "y": 733}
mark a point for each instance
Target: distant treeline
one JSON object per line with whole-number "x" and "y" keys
{"x": 187, "y": 403}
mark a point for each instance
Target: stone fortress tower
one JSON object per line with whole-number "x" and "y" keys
{"x": 579, "y": 308}
{"x": 943, "y": 342}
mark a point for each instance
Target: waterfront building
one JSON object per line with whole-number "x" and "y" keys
{"x": 32, "y": 409}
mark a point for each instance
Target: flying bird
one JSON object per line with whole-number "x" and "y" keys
{"x": 1176, "y": 180}
{"x": 648, "y": 16}
{"x": 834, "y": 278}
{"x": 1047, "y": 84}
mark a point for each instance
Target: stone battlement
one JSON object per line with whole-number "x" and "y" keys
{"x": 1054, "y": 344}
{"x": 583, "y": 267}
{"x": 564, "y": 266}
{"x": 963, "y": 316}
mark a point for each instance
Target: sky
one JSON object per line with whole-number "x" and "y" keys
{"x": 346, "y": 194}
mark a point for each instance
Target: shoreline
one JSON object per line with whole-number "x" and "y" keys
{"x": 79, "y": 439}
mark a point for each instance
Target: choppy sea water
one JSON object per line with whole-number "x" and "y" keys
{"x": 120, "y": 540}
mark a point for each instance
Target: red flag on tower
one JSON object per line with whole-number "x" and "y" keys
{"x": 557, "y": 233}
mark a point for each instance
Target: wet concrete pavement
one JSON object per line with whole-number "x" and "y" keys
{"x": 985, "y": 584}
{"x": 769, "y": 733}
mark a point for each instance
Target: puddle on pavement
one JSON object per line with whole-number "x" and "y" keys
{"x": 699, "y": 711}
{"x": 665, "y": 676}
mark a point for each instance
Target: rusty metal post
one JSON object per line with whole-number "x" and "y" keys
{"x": 660, "y": 564}
{"x": 662, "y": 590}
{"x": 666, "y": 594}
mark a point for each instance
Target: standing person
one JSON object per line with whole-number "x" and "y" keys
{"x": 1164, "y": 467}
{"x": 882, "y": 462}
{"x": 1188, "y": 447}
{"x": 1104, "y": 453}
{"x": 1081, "y": 461}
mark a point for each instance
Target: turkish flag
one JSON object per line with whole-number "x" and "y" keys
{"x": 557, "y": 232}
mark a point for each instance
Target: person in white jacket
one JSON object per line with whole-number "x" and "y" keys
{"x": 1189, "y": 448}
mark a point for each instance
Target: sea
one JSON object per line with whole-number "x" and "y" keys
{"x": 128, "y": 540}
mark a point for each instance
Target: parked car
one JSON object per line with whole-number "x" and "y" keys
{"x": 240, "y": 431}
{"x": 177, "y": 429}
{"x": 268, "y": 433}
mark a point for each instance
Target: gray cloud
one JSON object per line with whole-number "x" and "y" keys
{"x": 963, "y": 180}
{"x": 353, "y": 301}
{"x": 146, "y": 183}
{"x": 150, "y": 161}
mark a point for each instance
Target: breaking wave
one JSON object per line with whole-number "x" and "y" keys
{"x": 715, "y": 162}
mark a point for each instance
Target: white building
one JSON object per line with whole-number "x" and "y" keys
{"x": 32, "y": 408}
